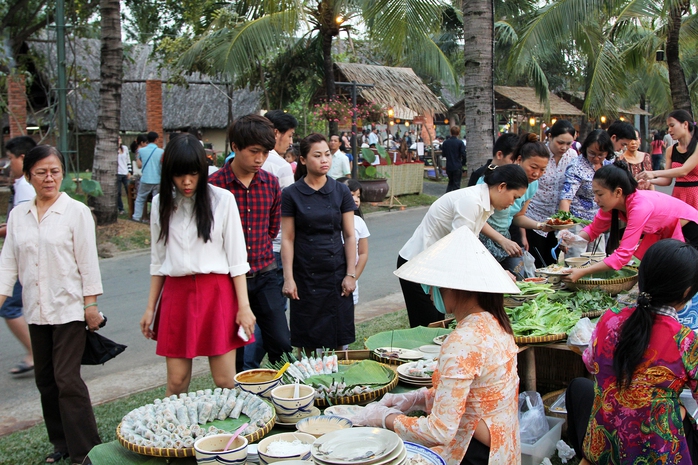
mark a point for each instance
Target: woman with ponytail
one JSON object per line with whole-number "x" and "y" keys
{"x": 533, "y": 156}
{"x": 682, "y": 157}
{"x": 650, "y": 216}
{"x": 641, "y": 359}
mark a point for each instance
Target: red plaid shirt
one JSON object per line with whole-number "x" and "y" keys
{"x": 260, "y": 212}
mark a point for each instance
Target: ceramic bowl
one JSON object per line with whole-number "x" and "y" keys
{"x": 260, "y": 388}
{"x": 210, "y": 450}
{"x": 594, "y": 257}
{"x": 323, "y": 424}
{"x": 265, "y": 458}
{"x": 536, "y": 280}
{"x": 577, "y": 262}
{"x": 289, "y": 408}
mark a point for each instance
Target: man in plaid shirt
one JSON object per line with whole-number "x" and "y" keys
{"x": 258, "y": 197}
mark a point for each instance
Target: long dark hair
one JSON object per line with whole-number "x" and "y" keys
{"x": 668, "y": 276}
{"x": 184, "y": 154}
{"x": 512, "y": 175}
{"x": 137, "y": 141}
{"x": 562, "y": 126}
{"x": 600, "y": 137}
{"x": 489, "y": 302}
{"x": 682, "y": 116}
{"x": 612, "y": 177}
{"x": 305, "y": 145}
{"x": 353, "y": 186}
{"x": 530, "y": 146}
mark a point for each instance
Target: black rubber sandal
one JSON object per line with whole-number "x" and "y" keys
{"x": 56, "y": 457}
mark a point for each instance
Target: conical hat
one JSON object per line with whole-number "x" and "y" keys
{"x": 458, "y": 261}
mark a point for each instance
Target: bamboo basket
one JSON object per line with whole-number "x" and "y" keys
{"x": 548, "y": 400}
{"x": 357, "y": 399}
{"x": 612, "y": 286}
{"x": 540, "y": 339}
{"x": 188, "y": 451}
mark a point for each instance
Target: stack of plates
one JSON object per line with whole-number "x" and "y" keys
{"x": 402, "y": 374}
{"x": 359, "y": 446}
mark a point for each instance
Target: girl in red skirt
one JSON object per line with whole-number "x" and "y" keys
{"x": 198, "y": 267}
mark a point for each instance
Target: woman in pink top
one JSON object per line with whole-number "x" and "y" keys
{"x": 654, "y": 214}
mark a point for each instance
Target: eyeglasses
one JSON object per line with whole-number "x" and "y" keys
{"x": 591, "y": 154}
{"x": 41, "y": 174}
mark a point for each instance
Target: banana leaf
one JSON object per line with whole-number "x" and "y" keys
{"x": 363, "y": 373}
{"x": 405, "y": 338}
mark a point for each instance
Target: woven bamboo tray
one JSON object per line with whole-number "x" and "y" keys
{"x": 187, "y": 451}
{"x": 518, "y": 300}
{"x": 540, "y": 339}
{"x": 612, "y": 286}
{"x": 548, "y": 400}
{"x": 594, "y": 314}
{"x": 357, "y": 399}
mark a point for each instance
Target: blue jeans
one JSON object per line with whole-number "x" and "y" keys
{"x": 144, "y": 190}
{"x": 12, "y": 308}
{"x": 121, "y": 179}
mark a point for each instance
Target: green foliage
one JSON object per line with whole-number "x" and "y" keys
{"x": 87, "y": 186}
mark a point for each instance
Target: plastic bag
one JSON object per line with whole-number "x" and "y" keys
{"x": 569, "y": 239}
{"x": 580, "y": 334}
{"x": 529, "y": 264}
{"x": 532, "y": 422}
{"x": 564, "y": 451}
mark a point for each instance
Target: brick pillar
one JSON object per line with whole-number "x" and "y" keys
{"x": 17, "y": 105}
{"x": 153, "y": 105}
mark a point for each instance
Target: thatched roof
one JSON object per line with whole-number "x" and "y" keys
{"x": 202, "y": 103}
{"x": 392, "y": 87}
{"x": 511, "y": 97}
{"x": 577, "y": 99}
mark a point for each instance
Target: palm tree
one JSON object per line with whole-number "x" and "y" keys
{"x": 251, "y": 30}
{"x": 109, "y": 118}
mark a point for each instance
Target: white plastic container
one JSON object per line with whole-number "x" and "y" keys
{"x": 533, "y": 454}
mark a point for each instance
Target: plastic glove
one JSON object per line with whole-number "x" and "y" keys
{"x": 564, "y": 451}
{"x": 373, "y": 414}
{"x": 570, "y": 240}
{"x": 407, "y": 402}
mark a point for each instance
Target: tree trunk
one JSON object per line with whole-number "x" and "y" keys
{"x": 109, "y": 118}
{"x": 645, "y": 146}
{"x": 478, "y": 88}
{"x": 330, "y": 88}
{"x": 679, "y": 89}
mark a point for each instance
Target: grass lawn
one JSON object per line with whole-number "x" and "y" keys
{"x": 31, "y": 446}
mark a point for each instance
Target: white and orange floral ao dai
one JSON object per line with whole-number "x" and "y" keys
{"x": 475, "y": 380}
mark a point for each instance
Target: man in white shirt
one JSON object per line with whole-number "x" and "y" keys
{"x": 373, "y": 138}
{"x": 340, "y": 162}
{"x": 21, "y": 191}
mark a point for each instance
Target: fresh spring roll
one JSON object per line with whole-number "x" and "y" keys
{"x": 183, "y": 415}
{"x": 205, "y": 412}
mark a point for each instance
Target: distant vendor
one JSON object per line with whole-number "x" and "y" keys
{"x": 650, "y": 216}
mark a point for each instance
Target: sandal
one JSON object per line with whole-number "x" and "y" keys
{"x": 21, "y": 367}
{"x": 56, "y": 457}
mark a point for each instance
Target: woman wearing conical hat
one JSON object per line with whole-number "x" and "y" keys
{"x": 472, "y": 408}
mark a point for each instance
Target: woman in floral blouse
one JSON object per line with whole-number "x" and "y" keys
{"x": 577, "y": 196}
{"x": 641, "y": 359}
{"x": 472, "y": 409}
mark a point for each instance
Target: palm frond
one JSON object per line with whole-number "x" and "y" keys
{"x": 505, "y": 33}
{"x": 396, "y": 19}
{"x": 606, "y": 83}
{"x": 426, "y": 57}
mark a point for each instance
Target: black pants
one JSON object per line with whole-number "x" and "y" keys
{"x": 454, "y": 177}
{"x": 477, "y": 454}
{"x": 269, "y": 307}
{"x": 579, "y": 400}
{"x": 690, "y": 233}
{"x": 121, "y": 179}
{"x": 540, "y": 247}
{"x": 65, "y": 400}
{"x": 420, "y": 309}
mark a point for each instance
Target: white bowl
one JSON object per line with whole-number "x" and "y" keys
{"x": 290, "y": 409}
{"x": 264, "y": 456}
{"x": 577, "y": 262}
{"x": 594, "y": 257}
{"x": 323, "y": 424}
{"x": 209, "y": 449}
{"x": 260, "y": 388}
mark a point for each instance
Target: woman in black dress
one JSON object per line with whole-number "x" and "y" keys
{"x": 319, "y": 268}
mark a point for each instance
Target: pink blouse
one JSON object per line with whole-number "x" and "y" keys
{"x": 654, "y": 214}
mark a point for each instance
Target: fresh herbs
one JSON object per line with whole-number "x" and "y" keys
{"x": 541, "y": 317}
{"x": 567, "y": 216}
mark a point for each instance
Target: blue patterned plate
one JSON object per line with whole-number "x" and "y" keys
{"x": 425, "y": 452}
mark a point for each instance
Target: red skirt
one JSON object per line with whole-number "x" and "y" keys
{"x": 196, "y": 317}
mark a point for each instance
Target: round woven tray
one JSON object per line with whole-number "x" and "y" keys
{"x": 387, "y": 361}
{"x": 186, "y": 451}
{"x": 517, "y": 301}
{"x": 539, "y": 339}
{"x": 594, "y": 314}
{"x": 612, "y": 286}
{"x": 357, "y": 399}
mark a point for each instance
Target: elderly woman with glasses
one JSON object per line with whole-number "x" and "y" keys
{"x": 577, "y": 195}
{"x": 51, "y": 246}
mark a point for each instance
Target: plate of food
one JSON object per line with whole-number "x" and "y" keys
{"x": 555, "y": 270}
{"x": 397, "y": 352}
{"x": 420, "y": 370}
{"x": 438, "y": 340}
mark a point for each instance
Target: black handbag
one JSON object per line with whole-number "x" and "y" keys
{"x": 99, "y": 349}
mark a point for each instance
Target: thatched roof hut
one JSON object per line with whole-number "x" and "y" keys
{"x": 202, "y": 102}
{"x": 577, "y": 99}
{"x": 399, "y": 88}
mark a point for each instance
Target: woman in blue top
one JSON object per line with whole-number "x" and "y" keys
{"x": 533, "y": 156}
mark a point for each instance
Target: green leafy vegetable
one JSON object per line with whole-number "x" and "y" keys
{"x": 533, "y": 288}
{"x": 567, "y": 216}
{"x": 363, "y": 373}
{"x": 585, "y": 301}
{"x": 540, "y": 317}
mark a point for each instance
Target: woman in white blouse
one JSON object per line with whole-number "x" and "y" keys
{"x": 198, "y": 267}
{"x": 51, "y": 246}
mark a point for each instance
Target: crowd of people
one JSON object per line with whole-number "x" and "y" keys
{"x": 280, "y": 225}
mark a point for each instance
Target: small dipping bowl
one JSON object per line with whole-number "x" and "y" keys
{"x": 594, "y": 257}
{"x": 265, "y": 458}
{"x": 258, "y": 381}
{"x": 577, "y": 262}
{"x": 290, "y": 409}
{"x": 323, "y": 424}
{"x": 210, "y": 450}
